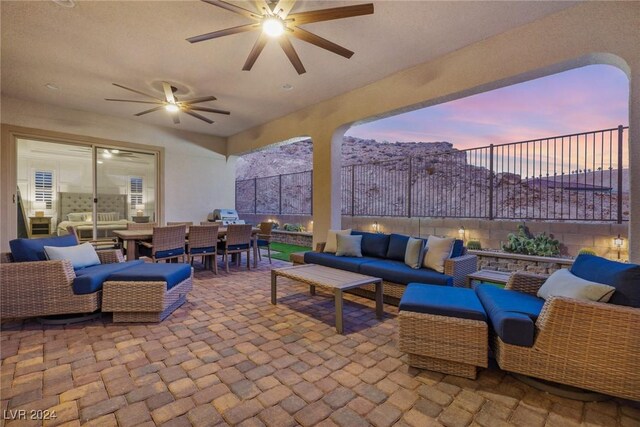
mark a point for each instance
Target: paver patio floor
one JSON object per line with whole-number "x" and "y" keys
{"x": 229, "y": 356}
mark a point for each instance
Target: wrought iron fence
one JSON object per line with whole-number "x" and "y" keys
{"x": 577, "y": 177}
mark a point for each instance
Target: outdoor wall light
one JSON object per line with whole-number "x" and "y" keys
{"x": 461, "y": 232}
{"x": 376, "y": 226}
{"x": 618, "y": 242}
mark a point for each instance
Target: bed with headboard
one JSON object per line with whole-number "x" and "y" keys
{"x": 75, "y": 209}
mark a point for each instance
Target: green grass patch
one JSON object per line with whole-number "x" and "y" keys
{"x": 282, "y": 251}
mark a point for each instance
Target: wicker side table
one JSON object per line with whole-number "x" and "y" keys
{"x": 443, "y": 343}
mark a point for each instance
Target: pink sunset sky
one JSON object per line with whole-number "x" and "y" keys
{"x": 584, "y": 99}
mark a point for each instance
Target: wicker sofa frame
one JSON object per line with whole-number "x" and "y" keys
{"x": 591, "y": 345}
{"x": 44, "y": 288}
{"x": 458, "y": 268}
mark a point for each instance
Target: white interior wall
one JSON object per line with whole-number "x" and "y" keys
{"x": 197, "y": 176}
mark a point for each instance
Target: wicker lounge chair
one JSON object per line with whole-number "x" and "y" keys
{"x": 43, "y": 288}
{"x": 590, "y": 345}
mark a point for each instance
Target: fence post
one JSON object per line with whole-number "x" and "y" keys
{"x": 280, "y": 194}
{"x": 311, "y": 184}
{"x": 353, "y": 189}
{"x": 620, "y": 154}
{"x": 409, "y": 199}
{"x": 491, "y": 182}
{"x": 255, "y": 196}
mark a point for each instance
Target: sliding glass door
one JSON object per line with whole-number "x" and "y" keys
{"x": 95, "y": 189}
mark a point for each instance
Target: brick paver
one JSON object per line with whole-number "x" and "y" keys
{"x": 229, "y": 356}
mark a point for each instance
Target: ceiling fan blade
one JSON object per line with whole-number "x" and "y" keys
{"x": 198, "y": 116}
{"x": 222, "y": 33}
{"x": 209, "y": 110}
{"x": 138, "y": 92}
{"x": 332, "y": 13}
{"x": 149, "y": 111}
{"x": 263, "y": 6}
{"x": 284, "y": 7}
{"x": 168, "y": 93}
{"x": 255, "y": 52}
{"x": 176, "y": 119}
{"x": 198, "y": 100}
{"x": 286, "y": 45}
{"x": 236, "y": 9}
{"x": 132, "y": 100}
{"x": 321, "y": 42}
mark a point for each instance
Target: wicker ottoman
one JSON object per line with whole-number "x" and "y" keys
{"x": 147, "y": 292}
{"x": 443, "y": 329}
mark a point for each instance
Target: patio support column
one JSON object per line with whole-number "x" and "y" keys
{"x": 634, "y": 164}
{"x": 327, "y": 158}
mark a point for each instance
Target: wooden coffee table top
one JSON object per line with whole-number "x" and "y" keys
{"x": 318, "y": 275}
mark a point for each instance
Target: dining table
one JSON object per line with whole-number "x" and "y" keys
{"x": 130, "y": 237}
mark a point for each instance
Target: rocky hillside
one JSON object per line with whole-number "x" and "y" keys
{"x": 297, "y": 156}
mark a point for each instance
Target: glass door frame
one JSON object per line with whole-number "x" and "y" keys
{"x": 10, "y": 136}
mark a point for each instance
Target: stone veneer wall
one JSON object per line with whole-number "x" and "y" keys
{"x": 512, "y": 262}
{"x": 292, "y": 237}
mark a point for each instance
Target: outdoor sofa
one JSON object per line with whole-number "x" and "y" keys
{"x": 383, "y": 257}
{"x": 585, "y": 344}
{"x": 33, "y": 286}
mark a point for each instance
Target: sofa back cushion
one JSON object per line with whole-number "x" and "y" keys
{"x": 624, "y": 277}
{"x": 397, "y": 247}
{"x": 373, "y": 244}
{"x": 24, "y": 250}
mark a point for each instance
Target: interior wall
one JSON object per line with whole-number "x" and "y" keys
{"x": 197, "y": 176}
{"x": 574, "y": 37}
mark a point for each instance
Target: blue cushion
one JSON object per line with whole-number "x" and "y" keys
{"x": 195, "y": 251}
{"x": 347, "y": 263}
{"x": 145, "y": 251}
{"x": 624, "y": 277}
{"x": 458, "y": 248}
{"x": 173, "y": 274}
{"x": 442, "y": 301}
{"x": 221, "y": 246}
{"x": 512, "y": 314}
{"x": 401, "y": 273}
{"x": 397, "y": 247}
{"x": 373, "y": 244}
{"x": 24, "y": 250}
{"x": 90, "y": 279}
{"x": 262, "y": 242}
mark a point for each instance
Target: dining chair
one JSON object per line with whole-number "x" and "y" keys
{"x": 166, "y": 243}
{"x": 238, "y": 240}
{"x": 264, "y": 239}
{"x": 187, "y": 223}
{"x": 203, "y": 241}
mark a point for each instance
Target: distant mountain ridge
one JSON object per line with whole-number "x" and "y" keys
{"x": 298, "y": 156}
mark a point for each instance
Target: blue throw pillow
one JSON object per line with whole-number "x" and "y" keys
{"x": 624, "y": 277}
{"x": 24, "y": 250}
{"x": 458, "y": 248}
{"x": 373, "y": 244}
{"x": 397, "y": 247}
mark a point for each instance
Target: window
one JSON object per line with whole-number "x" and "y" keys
{"x": 43, "y": 184}
{"x": 135, "y": 191}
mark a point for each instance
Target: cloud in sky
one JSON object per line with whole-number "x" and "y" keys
{"x": 579, "y": 100}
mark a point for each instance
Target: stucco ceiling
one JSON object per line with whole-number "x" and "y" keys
{"x": 139, "y": 44}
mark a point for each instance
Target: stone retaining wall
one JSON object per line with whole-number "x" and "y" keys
{"x": 499, "y": 261}
{"x": 292, "y": 237}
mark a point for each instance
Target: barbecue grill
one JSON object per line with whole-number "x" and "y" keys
{"x": 225, "y": 217}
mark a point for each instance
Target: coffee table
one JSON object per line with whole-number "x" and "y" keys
{"x": 331, "y": 279}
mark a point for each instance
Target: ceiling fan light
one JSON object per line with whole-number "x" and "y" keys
{"x": 273, "y": 27}
{"x": 172, "y": 108}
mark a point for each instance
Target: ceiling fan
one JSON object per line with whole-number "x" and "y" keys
{"x": 172, "y": 104}
{"x": 278, "y": 22}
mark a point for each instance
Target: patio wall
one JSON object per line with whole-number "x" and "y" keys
{"x": 491, "y": 234}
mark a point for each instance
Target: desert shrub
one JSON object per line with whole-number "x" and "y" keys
{"x": 587, "y": 251}
{"x": 293, "y": 227}
{"x": 474, "y": 245}
{"x": 523, "y": 242}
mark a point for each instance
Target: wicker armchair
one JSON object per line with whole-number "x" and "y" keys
{"x": 458, "y": 268}
{"x": 590, "y": 345}
{"x": 167, "y": 243}
{"x": 238, "y": 241}
{"x": 264, "y": 238}
{"x": 43, "y": 288}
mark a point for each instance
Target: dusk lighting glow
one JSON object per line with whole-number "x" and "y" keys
{"x": 583, "y": 99}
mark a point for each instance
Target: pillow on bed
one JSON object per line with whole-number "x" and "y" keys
{"x": 75, "y": 216}
{"x": 108, "y": 216}
{"x": 87, "y": 216}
